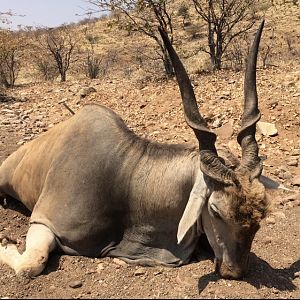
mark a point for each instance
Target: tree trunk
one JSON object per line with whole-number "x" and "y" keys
{"x": 63, "y": 76}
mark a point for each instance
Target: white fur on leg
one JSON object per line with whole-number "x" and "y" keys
{"x": 40, "y": 241}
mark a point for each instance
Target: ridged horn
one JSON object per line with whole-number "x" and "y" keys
{"x": 246, "y": 137}
{"x": 210, "y": 164}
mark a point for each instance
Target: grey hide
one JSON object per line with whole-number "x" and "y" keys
{"x": 104, "y": 191}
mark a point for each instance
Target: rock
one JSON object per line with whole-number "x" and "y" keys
{"x": 87, "y": 91}
{"x": 157, "y": 272}
{"x": 217, "y": 123}
{"x": 273, "y": 103}
{"x": 292, "y": 163}
{"x": 283, "y": 173}
{"x": 75, "y": 284}
{"x": 267, "y": 129}
{"x": 225, "y": 95}
{"x": 120, "y": 262}
{"x": 139, "y": 271}
{"x": 100, "y": 267}
{"x": 297, "y": 274}
{"x": 6, "y": 122}
{"x": 226, "y": 131}
{"x": 296, "y": 180}
{"x": 270, "y": 220}
{"x": 268, "y": 240}
{"x": 295, "y": 152}
{"x": 7, "y": 111}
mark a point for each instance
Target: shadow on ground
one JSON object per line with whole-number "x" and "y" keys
{"x": 261, "y": 274}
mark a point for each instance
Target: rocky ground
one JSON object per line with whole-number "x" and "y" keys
{"x": 155, "y": 112}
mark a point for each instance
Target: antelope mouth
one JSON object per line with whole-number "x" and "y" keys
{"x": 228, "y": 272}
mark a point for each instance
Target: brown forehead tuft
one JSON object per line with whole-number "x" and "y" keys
{"x": 249, "y": 202}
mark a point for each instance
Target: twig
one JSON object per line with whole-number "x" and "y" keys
{"x": 67, "y": 107}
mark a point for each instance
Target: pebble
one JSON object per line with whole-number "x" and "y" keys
{"x": 267, "y": 129}
{"x": 270, "y": 220}
{"x": 120, "y": 262}
{"x": 100, "y": 267}
{"x": 75, "y": 284}
{"x": 292, "y": 163}
{"x": 268, "y": 240}
{"x": 139, "y": 271}
{"x": 296, "y": 180}
{"x": 295, "y": 152}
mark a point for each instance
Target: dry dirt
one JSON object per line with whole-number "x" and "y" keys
{"x": 155, "y": 112}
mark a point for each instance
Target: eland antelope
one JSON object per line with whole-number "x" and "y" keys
{"x": 96, "y": 189}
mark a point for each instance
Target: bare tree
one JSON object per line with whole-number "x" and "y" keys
{"x": 143, "y": 16}
{"x": 92, "y": 64}
{"x": 46, "y": 66}
{"x": 11, "y": 51}
{"x": 183, "y": 11}
{"x": 226, "y": 19}
{"x": 60, "y": 43}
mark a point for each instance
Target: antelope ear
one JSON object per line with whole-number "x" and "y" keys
{"x": 272, "y": 184}
{"x": 193, "y": 209}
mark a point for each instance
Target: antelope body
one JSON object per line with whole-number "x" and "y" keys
{"x": 97, "y": 189}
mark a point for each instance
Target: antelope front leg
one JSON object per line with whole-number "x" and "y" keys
{"x": 40, "y": 241}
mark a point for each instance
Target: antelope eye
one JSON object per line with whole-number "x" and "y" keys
{"x": 215, "y": 212}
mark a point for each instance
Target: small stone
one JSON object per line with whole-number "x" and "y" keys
{"x": 285, "y": 175}
{"x": 296, "y": 180}
{"x": 295, "y": 152}
{"x": 157, "y": 272}
{"x": 87, "y": 91}
{"x": 267, "y": 129}
{"x": 139, "y": 271}
{"x": 120, "y": 262}
{"x": 75, "y": 284}
{"x": 292, "y": 163}
{"x": 225, "y": 131}
{"x": 268, "y": 240}
{"x": 270, "y": 220}
{"x": 100, "y": 267}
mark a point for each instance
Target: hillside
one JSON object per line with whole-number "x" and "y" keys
{"x": 151, "y": 106}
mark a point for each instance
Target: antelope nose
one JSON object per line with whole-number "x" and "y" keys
{"x": 231, "y": 272}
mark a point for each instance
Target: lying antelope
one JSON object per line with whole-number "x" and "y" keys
{"x": 97, "y": 189}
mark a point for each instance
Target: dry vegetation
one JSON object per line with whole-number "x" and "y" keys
{"x": 134, "y": 85}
